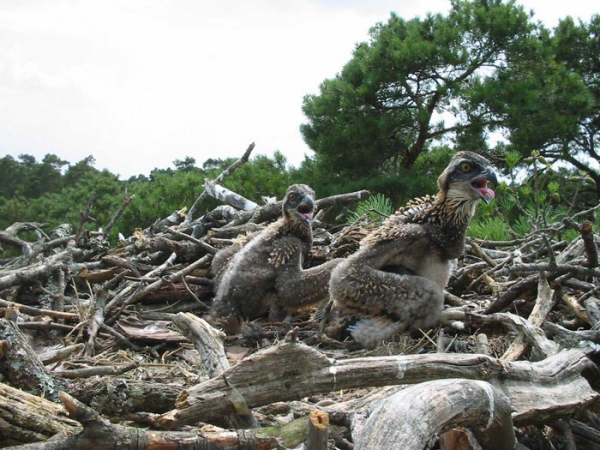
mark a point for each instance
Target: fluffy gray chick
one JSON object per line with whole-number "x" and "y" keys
{"x": 266, "y": 276}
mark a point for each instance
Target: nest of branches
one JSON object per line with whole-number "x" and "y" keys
{"x": 105, "y": 334}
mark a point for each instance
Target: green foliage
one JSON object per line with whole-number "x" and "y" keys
{"x": 489, "y": 228}
{"x": 512, "y": 159}
{"x": 376, "y": 208}
{"x": 520, "y": 208}
{"x": 262, "y": 176}
{"x": 29, "y": 178}
{"x": 385, "y": 107}
{"x": 157, "y": 196}
{"x": 570, "y": 235}
{"x": 576, "y": 48}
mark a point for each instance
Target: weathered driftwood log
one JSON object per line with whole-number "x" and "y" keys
{"x": 207, "y": 341}
{"x": 99, "y": 433}
{"x": 289, "y": 371}
{"x": 28, "y": 418}
{"x": 20, "y": 365}
{"x": 414, "y": 417}
{"x": 543, "y": 305}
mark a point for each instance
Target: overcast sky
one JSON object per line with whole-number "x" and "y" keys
{"x": 140, "y": 83}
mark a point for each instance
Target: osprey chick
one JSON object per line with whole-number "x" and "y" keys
{"x": 395, "y": 281}
{"x": 266, "y": 276}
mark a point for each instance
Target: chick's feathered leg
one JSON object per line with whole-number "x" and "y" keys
{"x": 392, "y": 303}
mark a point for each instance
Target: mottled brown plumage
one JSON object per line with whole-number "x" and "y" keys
{"x": 395, "y": 281}
{"x": 265, "y": 277}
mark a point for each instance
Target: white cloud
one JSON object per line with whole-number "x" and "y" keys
{"x": 138, "y": 84}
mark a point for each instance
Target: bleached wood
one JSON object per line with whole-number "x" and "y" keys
{"x": 414, "y": 417}
{"x": 537, "y": 391}
{"x": 543, "y": 305}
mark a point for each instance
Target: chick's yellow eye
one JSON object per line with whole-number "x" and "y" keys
{"x": 465, "y": 167}
{"x": 293, "y": 197}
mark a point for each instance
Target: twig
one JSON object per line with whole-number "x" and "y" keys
{"x": 205, "y": 246}
{"x": 126, "y": 201}
{"x": 220, "y": 178}
{"x": 481, "y": 254}
{"x": 557, "y": 269}
{"x": 187, "y": 288}
{"x": 85, "y": 217}
{"x": 143, "y": 291}
{"x": 587, "y": 235}
{"x": 99, "y": 370}
{"x": 38, "y": 311}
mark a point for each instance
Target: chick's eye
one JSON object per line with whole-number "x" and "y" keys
{"x": 293, "y": 197}
{"x": 465, "y": 167}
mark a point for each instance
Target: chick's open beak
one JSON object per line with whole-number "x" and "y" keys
{"x": 306, "y": 210}
{"x": 481, "y": 185}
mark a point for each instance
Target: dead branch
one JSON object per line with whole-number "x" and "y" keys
{"x": 59, "y": 354}
{"x": 415, "y": 416}
{"x": 34, "y": 273}
{"x": 227, "y": 196}
{"x": 314, "y": 373}
{"x": 25, "y": 417}
{"x": 38, "y": 311}
{"x": 543, "y": 305}
{"x": 207, "y": 341}
{"x": 100, "y": 433}
{"x": 21, "y": 366}
{"x": 220, "y": 178}
{"x": 126, "y": 201}
{"x": 94, "y": 371}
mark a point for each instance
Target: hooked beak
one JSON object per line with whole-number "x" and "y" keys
{"x": 480, "y": 184}
{"x": 306, "y": 210}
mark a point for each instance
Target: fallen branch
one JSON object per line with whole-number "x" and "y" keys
{"x": 536, "y": 390}
{"x": 220, "y": 178}
{"x": 87, "y": 372}
{"x": 20, "y": 365}
{"x": 100, "y": 433}
{"x": 415, "y": 416}
{"x": 207, "y": 341}
{"x": 26, "y": 417}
